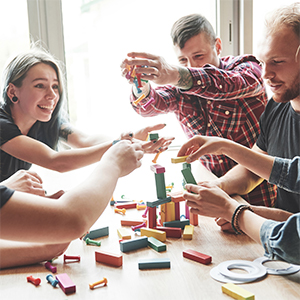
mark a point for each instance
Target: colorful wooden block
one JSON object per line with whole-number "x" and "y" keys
{"x": 197, "y": 256}
{"x": 65, "y": 283}
{"x": 170, "y": 231}
{"x": 188, "y": 176}
{"x": 153, "y": 136}
{"x": 156, "y": 244}
{"x": 188, "y": 232}
{"x": 97, "y": 233}
{"x": 193, "y": 219}
{"x": 124, "y": 234}
{"x": 177, "y": 223}
{"x": 126, "y": 205}
{"x": 109, "y": 258}
{"x": 160, "y": 186}
{"x": 176, "y": 196}
{"x": 152, "y": 217}
{"x": 158, "y": 202}
{"x": 178, "y": 159}
{"x": 159, "y": 235}
{"x": 158, "y": 169}
{"x": 170, "y": 212}
{"x": 35, "y": 281}
{"x": 132, "y": 222}
{"x": 237, "y": 292}
{"x": 157, "y": 263}
{"x": 129, "y": 245}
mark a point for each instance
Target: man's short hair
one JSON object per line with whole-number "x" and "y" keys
{"x": 189, "y": 26}
{"x": 285, "y": 16}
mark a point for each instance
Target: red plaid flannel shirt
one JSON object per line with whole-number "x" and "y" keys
{"x": 225, "y": 102}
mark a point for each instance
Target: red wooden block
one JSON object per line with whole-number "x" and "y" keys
{"x": 152, "y": 217}
{"x": 170, "y": 231}
{"x": 176, "y": 196}
{"x": 126, "y": 205}
{"x": 131, "y": 222}
{"x": 65, "y": 283}
{"x": 193, "y": 219}
{"x": 109, "y": 258}
{"x": 197, "y": 256}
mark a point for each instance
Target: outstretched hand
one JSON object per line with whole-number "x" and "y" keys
{"x": 199, "y": 146}
{"x": 151, "y": 67}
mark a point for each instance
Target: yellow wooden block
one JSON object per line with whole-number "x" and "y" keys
{"x": 188, "y": 232}
{"x": 124, "y": 234}
{"x": 179, "y": 159}
{"x": 163, "y": 211}
{"x": 237, "y": 292}
{"x": 158, "y": 234}
{"x": 170, "y": 212}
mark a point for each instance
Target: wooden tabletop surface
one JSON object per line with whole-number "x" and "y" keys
{"x": 186, "y": 279}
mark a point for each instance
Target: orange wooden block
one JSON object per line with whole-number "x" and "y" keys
{"x": 109, "y": 258}
{"x": 132, "y": 222}
{"x": 176, "y": 196}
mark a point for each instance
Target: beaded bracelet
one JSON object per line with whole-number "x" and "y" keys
{"x": 235, "y": 217}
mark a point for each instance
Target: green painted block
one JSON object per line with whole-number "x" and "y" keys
{"x": 188, "y": 176}
{"x": 160, "y": 186}
{"x": 156, "y": 244}
{"x": 158, "y": 202}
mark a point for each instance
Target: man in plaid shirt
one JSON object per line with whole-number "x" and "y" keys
{"x": 209, "y": 95}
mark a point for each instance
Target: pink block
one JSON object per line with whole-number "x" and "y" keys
{"x": 65, "y": 283}
{"x": 158, "y": 169}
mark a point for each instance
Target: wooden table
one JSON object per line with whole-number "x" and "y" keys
{"x": 185, "y": 279}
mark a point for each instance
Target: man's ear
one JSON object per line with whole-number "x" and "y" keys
{"x": 218, "y": 45}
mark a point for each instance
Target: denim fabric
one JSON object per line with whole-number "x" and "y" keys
{"x": 281, "y": 240}
{"x": 286, "y": 174}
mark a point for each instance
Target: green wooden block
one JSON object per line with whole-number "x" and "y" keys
{"x": 156, "y": 244}
{"x": 160, "y": 186}
{"x": 188, "y": 176}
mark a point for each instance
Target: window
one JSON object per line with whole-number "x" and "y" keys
{"x": 98, "y": 35}
{"x": 14, "y": 34}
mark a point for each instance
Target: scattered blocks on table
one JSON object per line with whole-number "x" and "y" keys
{"x": 97, "y": 233}
{"x": 159, "y": 201}
{"x": 129, "y": 245}
{"x": 156, "y": 244}
{"x": 35, "y": 281}
{"x": 109, "y": 258}
{"x": 126, "y": 205}
{"x": 157, "y": 169}
{"x": 66, "y": 284}
{"x": 124, "y": 234}
{"x": 72, "y": 258}
{"x": 237, "y": 292}
{"x": 157, "y": 263}
{"x": 170, "y": 231}
{"x": 159, "y": 235}
{"x": 52, "y": 280}
{"x": 93, "y": 285}
{"x": 188, "y": 232}
{"x": 197, "y": 256}
{"x": 177, "y": 223}
{"x": 178, "y": 159}
{"x": 51, "y": 268}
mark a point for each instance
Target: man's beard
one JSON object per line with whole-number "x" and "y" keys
{"x": 290, "y": 93}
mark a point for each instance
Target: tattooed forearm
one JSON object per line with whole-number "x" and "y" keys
{"x": 65, "y": 132}
{"x": 185, "y": 81}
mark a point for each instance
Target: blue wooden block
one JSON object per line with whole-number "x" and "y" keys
{"x": 97, "y": 233}
{"x": 158, "y": 202}
{"x": 156, "y": 263}
{"x": 177, "y": 223}
{"x": 129, "y": 245}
